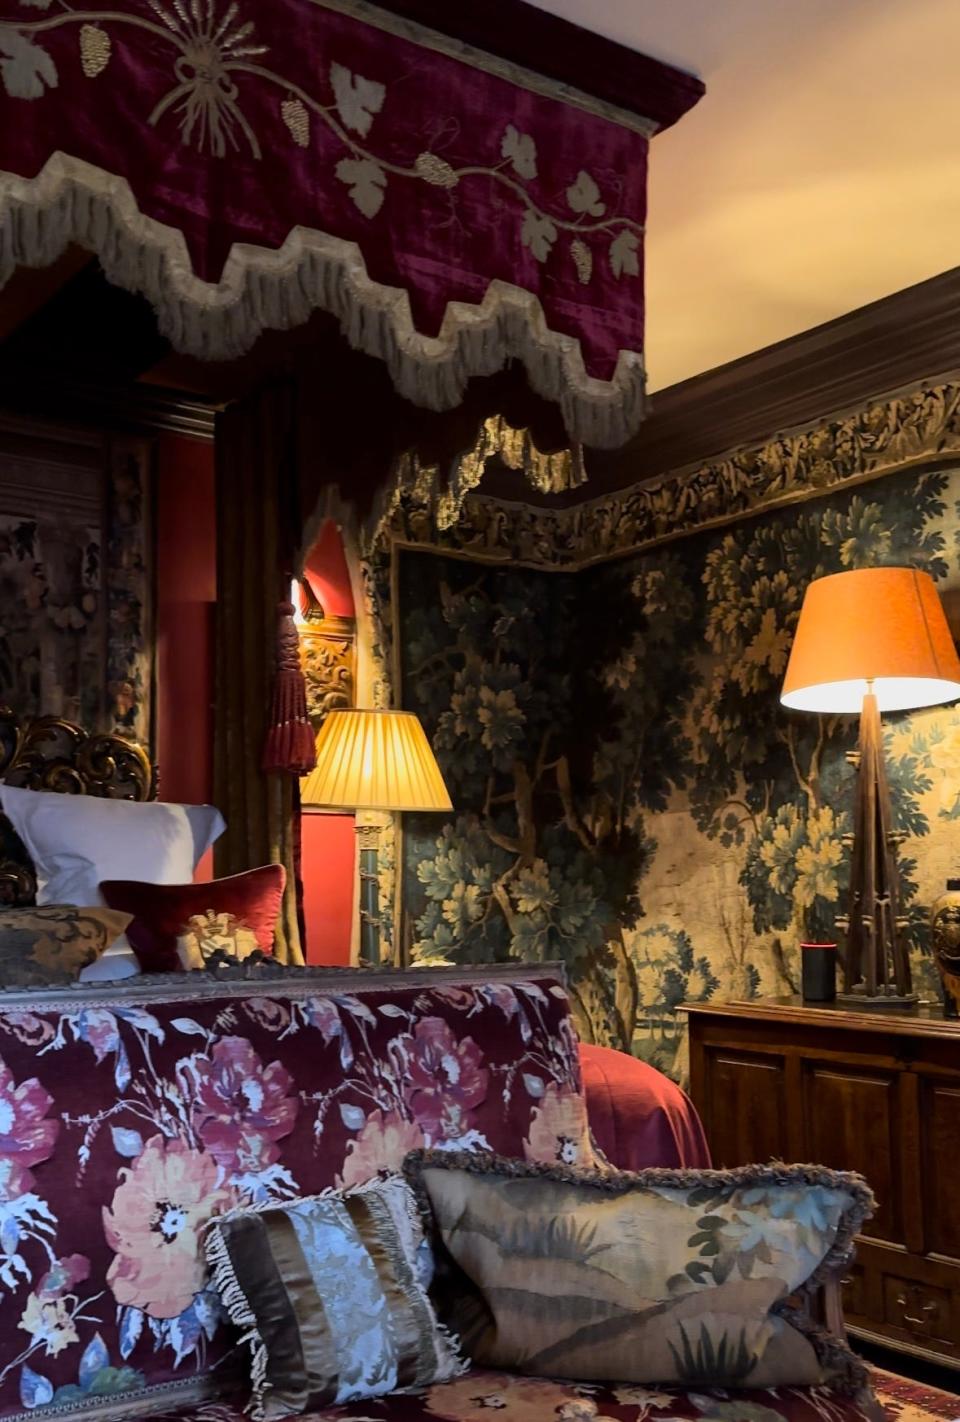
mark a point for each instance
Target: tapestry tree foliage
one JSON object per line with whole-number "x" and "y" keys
{"x": 568, "y": 710}
{"x": 777, "y": 781}
{"x": 552, "y": 749}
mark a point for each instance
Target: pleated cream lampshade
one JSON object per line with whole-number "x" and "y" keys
{"x": 374, "y": 760}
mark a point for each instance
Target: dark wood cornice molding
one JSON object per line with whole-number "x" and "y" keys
{"x": 564, "y": 52}
{"x": 842, "y": 365}
{"x": 134, "y": 407}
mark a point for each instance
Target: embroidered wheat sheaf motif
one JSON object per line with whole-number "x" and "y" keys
{"x": 215, "y": 50}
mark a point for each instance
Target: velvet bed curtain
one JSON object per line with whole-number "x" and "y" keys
{"x": 257, "y": 529}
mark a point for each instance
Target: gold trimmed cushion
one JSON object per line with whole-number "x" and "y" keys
{"x": 672, "y": 1277}
{"x": 330, "y": 1292}
{"x": 49, "y": 946}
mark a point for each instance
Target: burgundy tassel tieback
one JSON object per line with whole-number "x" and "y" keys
{"x": 290, "y": 746}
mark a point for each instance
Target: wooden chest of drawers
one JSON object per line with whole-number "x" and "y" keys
{"x": 877, "y": 1092}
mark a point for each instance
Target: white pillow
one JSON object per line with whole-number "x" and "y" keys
{"x": 119, "y": 961}
{"x": 75, "y": 841}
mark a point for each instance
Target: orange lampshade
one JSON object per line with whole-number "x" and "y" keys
{"x": 882, "y": 625}
{"x": 374, "y": 760}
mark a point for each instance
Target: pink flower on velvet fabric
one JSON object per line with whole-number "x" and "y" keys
{"x": 62, "y": 1275}
{"x": 502, "y": 995}
{"x": 29, "y": 1028}
{"x": 383, "y": 1142}
{"x": 26, "y": 1137}
{"x": 481, "y": 1397}
{"x": 443, "y": 1079}
{"x": 322, "y": 1013}
{"x": 100, "y": 1029}
{"x": 265, "y": 1012}
{"x": 153, "y": 1225}
{"x": 460, "y": 999}
{"x": 559, "y": 1132}
{"x": 239, "y": 1108}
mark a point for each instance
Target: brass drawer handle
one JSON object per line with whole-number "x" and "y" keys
{"x": 911, "y": 1318}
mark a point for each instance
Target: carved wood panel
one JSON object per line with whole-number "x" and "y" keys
{"x": 328, "y": 657}
{"x": 50, "y": 754}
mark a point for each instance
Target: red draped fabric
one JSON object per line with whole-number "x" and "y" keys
{"x": 638, "y": 1116}
{"x": 243, "y": 162}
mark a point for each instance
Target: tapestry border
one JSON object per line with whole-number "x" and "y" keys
{"x": 912, "y": 428}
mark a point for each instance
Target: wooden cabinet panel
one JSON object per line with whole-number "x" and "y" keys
{"x": 922, "y": 1311}
{"x": 877, "y": 1092}
{"x": 851, "y": 1122}
{"x": 853, "y": 1291}
{"x": 746, "y": 1112}
{"x": 940, "y": 1152}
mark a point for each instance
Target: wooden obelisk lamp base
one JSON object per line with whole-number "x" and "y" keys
{"x": 876, "y": 969}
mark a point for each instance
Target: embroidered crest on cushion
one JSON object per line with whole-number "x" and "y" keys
{"x": 184, "y": 925}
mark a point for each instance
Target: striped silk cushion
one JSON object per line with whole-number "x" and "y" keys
{"x": 330, "y": 1292}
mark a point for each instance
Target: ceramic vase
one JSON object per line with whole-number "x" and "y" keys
{"x": 945, "y": 936}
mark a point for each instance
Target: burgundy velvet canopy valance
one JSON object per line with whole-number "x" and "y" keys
{"x": 244, "y": 162}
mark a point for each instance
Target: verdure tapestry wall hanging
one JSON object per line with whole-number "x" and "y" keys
{"x": 630, "y": 796}
{"x": 244, "y": 164}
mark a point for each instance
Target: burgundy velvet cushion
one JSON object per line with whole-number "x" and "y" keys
{"x": 162, "y": 912}
{"x": 639, "y": 1117}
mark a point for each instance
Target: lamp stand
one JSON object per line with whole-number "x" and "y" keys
{"x": 876, "y": 969}
{"x": 368, "y": 838}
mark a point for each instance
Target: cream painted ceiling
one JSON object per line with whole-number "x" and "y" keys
{"x": 820, "y": 171}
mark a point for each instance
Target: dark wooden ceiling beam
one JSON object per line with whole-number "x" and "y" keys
{"x": 131, "y": 407}
{"x": 876, "y": 350}
{"x": 564, "y": 52}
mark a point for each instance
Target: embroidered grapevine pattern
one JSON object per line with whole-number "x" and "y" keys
{"x": 215, "y": 46}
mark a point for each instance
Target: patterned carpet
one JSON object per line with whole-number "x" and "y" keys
{"x": 907, "y": 1401}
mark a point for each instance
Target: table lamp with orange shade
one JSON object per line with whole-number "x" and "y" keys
{"x": 868, "y": 641}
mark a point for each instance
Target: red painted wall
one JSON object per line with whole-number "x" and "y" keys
{"x": 329, "y": 846}
{"x": 186, "y": 605}
{"x": 186, "y": 561}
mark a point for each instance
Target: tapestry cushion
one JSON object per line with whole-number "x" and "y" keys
{"x": 329, "y": 1295}
{"x": 49, "y": 946}
{"x": 183, "y": 925}
{"x": 136, "y": 1112}
{"x": 482, "y": 1396}
{"x": 75, "y": 841}
{"x": 657, "y": 1277}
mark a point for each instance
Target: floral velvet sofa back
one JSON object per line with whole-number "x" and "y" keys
{"x": 127, "y": 1118}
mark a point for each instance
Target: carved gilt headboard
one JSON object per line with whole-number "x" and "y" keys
{"x": 46, "y": 753}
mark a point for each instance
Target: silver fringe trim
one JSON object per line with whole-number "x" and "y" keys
{"x": 73, "y": 202}
{"x": 448, "y": 1359}
{"x": 239, "y": 1311}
